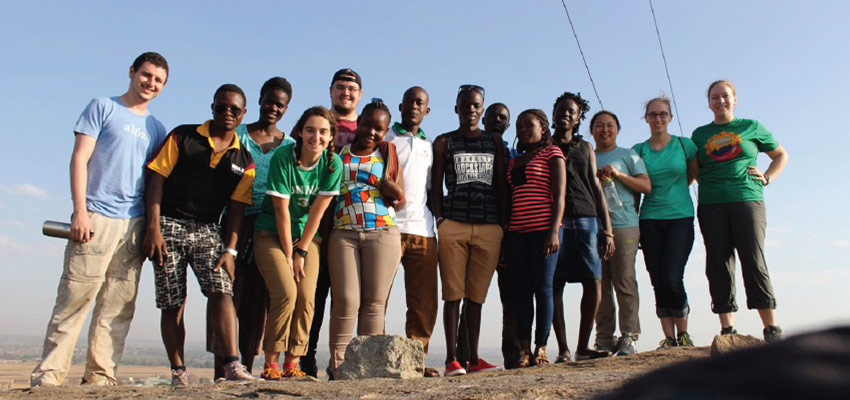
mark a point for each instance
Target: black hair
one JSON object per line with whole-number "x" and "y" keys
{"x": 583, "y": 106}
{"x": 605, "y": 112}
{"x": 315, "y": 111}
{"x": 153, "y": 58}
{"x": 376, "y": 104}
{"x": 276, "y": 83}
{"x": 546, "y": 139}
{"x": 493, "y": 107}
{"x": 229, "y": 87}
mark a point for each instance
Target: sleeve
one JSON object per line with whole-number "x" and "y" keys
{"x": 554, "y": 152}
{"x": 245, "y": 187}
{"x": 166, "y": 157}
{"x": 91, "y": 119}
{"x": 636, "y": 164}
{"x": 690, "y": 148}
{"x": 279, "y": 184}
{"x": 764, "y": 139}
{"x": 330, "y": 184}
{"x": 287, "y": 140}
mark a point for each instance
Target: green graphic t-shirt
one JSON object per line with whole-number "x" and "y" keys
{"x": 298, "y": 184}
{"x": 725, "y": 152}
{"x": 668, "y": 171}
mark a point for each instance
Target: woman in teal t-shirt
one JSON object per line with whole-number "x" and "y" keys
{"x": 667, "y": 220}
{"x": 303, "y": 179}
{"x": 731, "y": 209}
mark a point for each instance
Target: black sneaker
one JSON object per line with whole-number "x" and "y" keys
{"x": 308, "y": 365}
{"x": 772, "y": 334}
{"x": 729, "y": 330}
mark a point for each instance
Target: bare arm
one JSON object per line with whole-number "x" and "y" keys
{"x": 437, "y": 170}
{"x": 558, "y": 183}
{"x": 81, "y": 227}
{"x": 154, "y": 243}
{"x": 607, "y": 244}
{"x": 693, "y": 170}
{"x": 235, "y": 215}
{"x": 639, "y": 183}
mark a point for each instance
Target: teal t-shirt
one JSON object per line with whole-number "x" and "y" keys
{"x": 626, "y": 161}
{"x": 300, "y": 185}
{"x": 261, "y": 166}
{"x": 668, "y": 171}
{"x": 724, "y": 153}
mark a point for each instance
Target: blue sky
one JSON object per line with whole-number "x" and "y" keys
{"x": 785, "y": 58}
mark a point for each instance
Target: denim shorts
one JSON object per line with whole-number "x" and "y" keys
{"x": 578, "y": 258}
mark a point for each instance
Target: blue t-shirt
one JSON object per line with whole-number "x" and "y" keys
{"x": 628, "y": 162}
{"x": 125, "y": 141}
{"x": 261, "y": 166}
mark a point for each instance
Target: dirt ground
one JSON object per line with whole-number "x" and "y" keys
{"x": 563, "y": 381}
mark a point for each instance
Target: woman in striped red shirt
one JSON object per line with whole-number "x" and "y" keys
{"x": 537, "y": 180}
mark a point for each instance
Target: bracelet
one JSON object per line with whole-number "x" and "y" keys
{"x": 606, "y": 233}
{"x": 232, "y": 251}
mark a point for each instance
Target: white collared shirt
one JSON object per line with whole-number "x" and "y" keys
{"x": 415, "y": 158}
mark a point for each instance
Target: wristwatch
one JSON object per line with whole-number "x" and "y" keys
{"x": 301, "y": 252}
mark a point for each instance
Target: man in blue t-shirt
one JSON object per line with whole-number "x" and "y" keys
{"x": 114, "y": 137}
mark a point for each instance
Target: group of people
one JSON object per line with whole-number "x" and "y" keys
{"x": 272, "y": 224}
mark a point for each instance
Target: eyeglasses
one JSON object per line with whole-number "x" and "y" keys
{"x": 476, "y": 88}
{"x": 223, "y": 108}
{"x": 654, "y": 115}
{"x": 347, "y": 88}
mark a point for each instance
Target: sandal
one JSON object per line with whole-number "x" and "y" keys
{"x": 564, "y": 357}
{"x": 524, "y": 361}
{"x": 431, "y": 373}
{"x": 540, "y": 356}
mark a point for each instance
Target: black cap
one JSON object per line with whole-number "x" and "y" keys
{"x": 348, "y": 75}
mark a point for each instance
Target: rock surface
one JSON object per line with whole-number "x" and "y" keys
{"x": 723, "y": 344}
{"x": 382, "y": 356}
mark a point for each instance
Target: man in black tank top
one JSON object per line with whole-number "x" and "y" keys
{"x": 469, "y": 222}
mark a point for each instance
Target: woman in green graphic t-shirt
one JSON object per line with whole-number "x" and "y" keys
{"x": 731, "y": 209}
{"x": 303, "y": 179}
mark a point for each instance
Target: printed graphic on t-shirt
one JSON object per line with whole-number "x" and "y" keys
{"x": 137, "y": 131}
{"x": 302, "y": 194}
{"x": 723, "y": 146}
{"x": 474, "y": 167}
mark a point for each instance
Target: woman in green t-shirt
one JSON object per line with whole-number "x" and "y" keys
{"x": 667, "y": 219}
{"x": 731, "y": 209}
{"x": 303, "y": 179}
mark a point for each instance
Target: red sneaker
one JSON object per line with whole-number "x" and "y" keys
{"x": 483, "y": 366}
{"x": 454, "y": 369}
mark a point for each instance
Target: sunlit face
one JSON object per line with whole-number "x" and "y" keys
{"x": 721, "y": 100}
{"x": 371, "y": 128}
{"x": 470, "y": 105}
{"x": 528, "y": 129}
{"x": 316, "y": 134}
{"x": 344, "y": 96}
{"x": 604, "y": 131}
{"x": 147, "y": 81}
{"x": 228, "y": 110}
{"x": 497, "y": 120}
{"x": 414, "y": 106}
{"x": 567, "y": 115}
{"x": 273, "y": 105}
{"x": 658, "y": 116}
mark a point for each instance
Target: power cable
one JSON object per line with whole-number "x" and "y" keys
{"x": 598, "y": 99}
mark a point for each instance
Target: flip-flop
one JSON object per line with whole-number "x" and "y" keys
{"x": 540, "y": 357}
{"x": 431, "y": 373}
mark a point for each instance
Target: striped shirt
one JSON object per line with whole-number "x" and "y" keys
{"x": 531, "y": 193}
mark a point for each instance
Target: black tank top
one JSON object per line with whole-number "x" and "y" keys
{"x": 470, "y": 168}
{"x": 579, "y": 199}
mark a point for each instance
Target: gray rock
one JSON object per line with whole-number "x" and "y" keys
{"x": 723, "y": 344}
{"x": 382, "y": 356}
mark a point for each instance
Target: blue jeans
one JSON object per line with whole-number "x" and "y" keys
{"x": 578, "y": 259}
{"x": 532, "y": 275}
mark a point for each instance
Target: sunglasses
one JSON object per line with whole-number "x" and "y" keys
{"x": 476, "y": 88}
{"x": 223, "y": 108}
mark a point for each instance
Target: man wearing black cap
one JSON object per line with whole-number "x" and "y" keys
{"x": 346, "y": 89}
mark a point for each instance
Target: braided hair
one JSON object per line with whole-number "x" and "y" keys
{"x": 546, "y": 139}
{"x": 315, "y": 111}
{"x": 387, "y": 149}
{"x": 583, "y": 107}
{"x": 276, "y": 83}
{"x": 376, "y": 104}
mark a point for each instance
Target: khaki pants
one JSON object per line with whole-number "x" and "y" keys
{"x": 618, "y": 275}
{"x": 290, "y": 303}
{"x": 469, "y": 254}
{"x": 104, "y": 271}
{"x": 362, "y": 267}
{"x": 419, "y": 259}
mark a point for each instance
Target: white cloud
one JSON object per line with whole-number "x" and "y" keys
{"x": 23, "y": 189}
{"x": 841, "y": 243}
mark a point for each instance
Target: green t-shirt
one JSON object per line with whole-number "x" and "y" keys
{"x": 298, "y": 184}
{"x": 725, "y": 152}
{"x": 628, "y": 162}
{"x": 668, "y": 171}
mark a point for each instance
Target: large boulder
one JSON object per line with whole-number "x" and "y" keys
{"x": 382, "y": 356}
{"x": 723, "y": 344}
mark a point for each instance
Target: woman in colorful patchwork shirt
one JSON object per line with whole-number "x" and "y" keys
{"x": 365, "y": 245}
{"x": 303, "y": 179}
{"x": 731, "y": 208}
